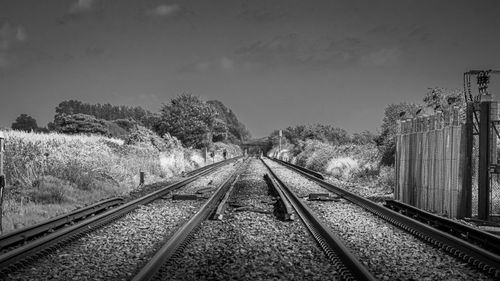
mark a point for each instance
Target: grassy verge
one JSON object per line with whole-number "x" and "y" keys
{"x": 52, "y": 174}
{"x": 351, "y": 165}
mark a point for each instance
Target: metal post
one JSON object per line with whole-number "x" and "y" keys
{"x": 2, "y": 179}
{"x": 484, "y": 161}
{"x": 466, "y": 164}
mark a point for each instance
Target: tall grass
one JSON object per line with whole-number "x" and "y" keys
{"x": 50, "y": 174}
{"x": 349, "y": 162}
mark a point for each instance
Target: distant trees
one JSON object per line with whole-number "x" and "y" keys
{"x": 190, "y": 119}
{"x": 107, "y": 111}
{"x": 236, "y": 131}
{"x": 321, "y": 132}
{"x": 80, "y": 123}
{"x": 24, "y": 122}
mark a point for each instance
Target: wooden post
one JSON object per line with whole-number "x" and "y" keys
{"x": 142, "y": 177}
{"x": 2, "y": 179}
{"x": 484, "y": 161}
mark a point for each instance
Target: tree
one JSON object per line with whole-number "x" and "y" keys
{"x": 80, "y": 123}
{"x": 107, "y": 111}
{"x": 440, "y": 99}
{"x": 393, "y": 113}
{"x": 24, "y": 122}
{"x": 191, "y": 120}
{"x": 236, "y": 131}
{"x": 364, "y": 137}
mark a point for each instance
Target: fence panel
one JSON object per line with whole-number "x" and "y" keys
{"x": 429, "y": 151}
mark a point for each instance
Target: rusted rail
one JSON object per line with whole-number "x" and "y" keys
{"x": 473, "y": 254}
{"x": 22, "y": 255}
{"x": 349, "y": 267}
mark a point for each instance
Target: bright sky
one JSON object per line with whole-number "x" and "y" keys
{"x": 275, "y": 63}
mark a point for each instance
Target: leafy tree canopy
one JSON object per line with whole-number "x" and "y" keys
{"x": 80, "y": 124}
{"x": 440, "y": 99}
{"x": 324, "y": 133}
{"x": 191, "y": 120}
{"x": 236, "y": 130}
{"x": 24, "y": 122}
{"x": 107, "y": 111}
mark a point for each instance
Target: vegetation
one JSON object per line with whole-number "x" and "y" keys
{"x": 386, "y": 141}
{"x": 236, "y": 131}
{"x": 80, "y": 124}
{"x": 364, "y": 157}
{"x": 107, "y": 112}
{"x": 26, "y": 123}
{"x": 50, "y": 174}
{"x": 192, "y": 120}
{"x": 325, "y": 133}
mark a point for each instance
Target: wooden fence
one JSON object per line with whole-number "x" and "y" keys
{"x": 430, "y": 151}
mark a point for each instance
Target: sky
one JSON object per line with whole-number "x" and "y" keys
{"x": 275, "y": 63}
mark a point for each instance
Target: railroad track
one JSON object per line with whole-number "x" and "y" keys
{"x": 176, "y": 257}
{"x": 482, "y": 239}
{"x": 16, "y": 259}
{"x": 19, "y": 237}
{"x": 482, "y": 258}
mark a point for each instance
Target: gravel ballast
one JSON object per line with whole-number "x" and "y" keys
{"x": 250, "y": 243}
{"x": 388, "y": 252}
{"x": 118, "y": 250}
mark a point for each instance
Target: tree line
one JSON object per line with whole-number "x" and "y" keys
{"x": 195, "y": 122}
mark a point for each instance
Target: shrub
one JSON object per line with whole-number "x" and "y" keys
{"x": 80, "y": 124}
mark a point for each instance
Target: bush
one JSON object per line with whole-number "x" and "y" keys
{"x": 80, "y": 124}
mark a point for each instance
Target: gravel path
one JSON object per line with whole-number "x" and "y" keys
{"x": 117, "y": 251}
{"x": 388, "y": 252}
{"x": 250, "y": 243}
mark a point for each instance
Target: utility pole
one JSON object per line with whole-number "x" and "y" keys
{"x": 279, "y": 151}
{"x": 2, "y": 179}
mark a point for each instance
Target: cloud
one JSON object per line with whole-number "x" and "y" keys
{"x": 82, "y": 6}
{"x": 382, "y": 57}
{"x": 214, "y": 65}
{"x": 10, "y": 37}
{"x": 296, "y": 51}
{"x": 81, "y": 9}
{"x": 404, "y": 34}
{"x": 261, "y": 11}
{"x": 164, "y": 10}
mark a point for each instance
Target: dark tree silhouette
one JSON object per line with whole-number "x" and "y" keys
{"x": 24, "y": 122}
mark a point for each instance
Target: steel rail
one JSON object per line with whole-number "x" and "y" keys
{"x": 22, "y": 255}
{"x": 182, "y": 236}
{"x": 14, "y": 238}
{"x": 476, "y": 236}
{"x": 349, "y": 267}
{"x": 201, "y": 169}
{"x": 288, "y": 213}
{"x": 305, "y": 170}
{"x": 474, "y": 255}
{"x": 219, "y": 211}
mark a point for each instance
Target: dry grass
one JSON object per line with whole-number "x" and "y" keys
{"x": 350, "y": 163}
{"x": 51, "y": 174}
